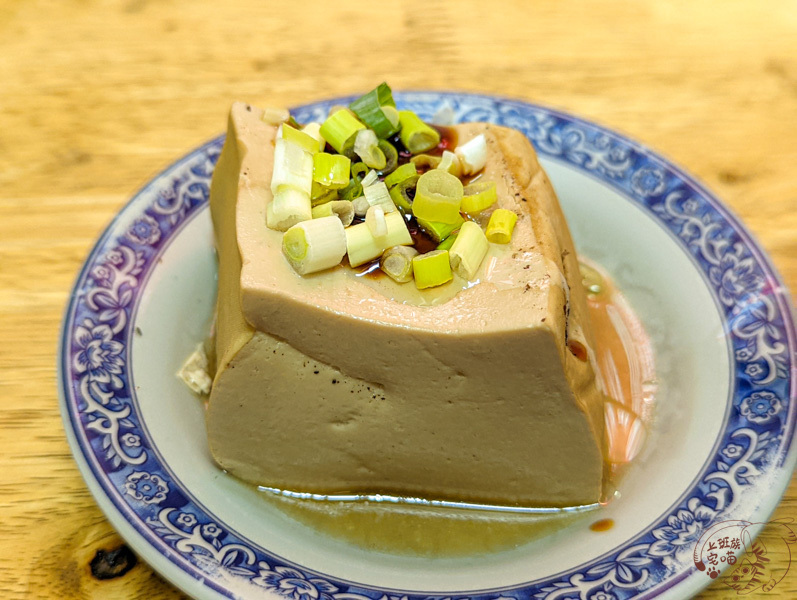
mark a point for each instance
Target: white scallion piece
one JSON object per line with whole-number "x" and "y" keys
{"x": 370, "y": 178}
{"x": 313, "y": 129}
{"x": 396, "y": 262}
{"x": 378, "y": 195}
{"x": 375, "y": 219}
{"x": 360, "y": 206}
{"x": 473, "y": 155}
{"x": 289, "y": 206}
{"x": 362, "y": 246}
{"x": 342, "y": 209}
{"x": 293, "y": 167}
{"x": 444, "y": 116}
{"x": 275, "y": 116}
{"x": 450, "y": 162}
{"x": 468, "y": 251}
{"x": 315, "y": 245}
{"x": 366, "y": 146}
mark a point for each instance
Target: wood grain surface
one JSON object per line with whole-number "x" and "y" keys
{"x": 97, "y": 96}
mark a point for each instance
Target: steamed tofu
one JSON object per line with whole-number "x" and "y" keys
{"x": 330, "y": 384}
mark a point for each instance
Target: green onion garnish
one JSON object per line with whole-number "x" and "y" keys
{"x": 391, "y": 157}
{"x": 293, "y": 167}
{"x": 448, "y": 242}
{"x": 298, "y": 137}
{"x": 315, "y": 245}
{"x": 403, "y": 194}
{"x": 370, "y": 108}
{"x": 440, "y": 231}
{"x": 340, "y": 129}
{"x": 403, "y": 172}
{"x": 331, "y": 170}
{"x": 500, "y": 227}
{"x": 431, "y": 269}
{"x": 396, "y": 262}
{"x": 353, "y": 189}
{"x": 359, "y": 170}
{"x": 469, "y": 250}
{"x": 416, "y": 135}
{"x": 478, "y": 196}
{"x": 288, "y": 207}
{"x": 366, "y": 146}
{"x": 362, "y": 246}
{"x": 438, "y": 197}
{"x": 342, "y": 209}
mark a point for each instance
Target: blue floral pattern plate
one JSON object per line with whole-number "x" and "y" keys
{"x": 721, "y": 449}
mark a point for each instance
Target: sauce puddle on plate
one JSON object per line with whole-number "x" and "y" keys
{"x": 625, "y": 359}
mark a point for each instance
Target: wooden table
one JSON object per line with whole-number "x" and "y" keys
{"x": 97, "y": 96}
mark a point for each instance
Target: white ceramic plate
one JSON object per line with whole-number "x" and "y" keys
{"x": 721, "y": 448}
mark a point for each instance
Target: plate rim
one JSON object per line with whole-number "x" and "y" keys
{"x": 750, "y": 242}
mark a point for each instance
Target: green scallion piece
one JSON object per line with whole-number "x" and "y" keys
{"x": 438, "y": 197}
{"x": 369, "y": 109}
{"x": 403, "y": 172}
{"x": 298, "y": 137}
{"x": 448, "y": 242}
{"x": 359, "y": 170}
{"x": 353, "y": 189}
{"x": 391, "y": 157}
{"x": 340, "y": 130}
{"x": 431, "y": 269}
{"x": 331, "y": 170}
{"x": 403, "y": 194}
{"x": 439, "y": 231}
{"x": 416, "y": 135}
{"x": 366, "y": 146}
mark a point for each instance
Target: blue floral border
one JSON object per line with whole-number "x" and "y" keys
{"x": 756, "y": 442}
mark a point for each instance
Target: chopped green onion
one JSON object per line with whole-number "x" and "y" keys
{"x": 370, "y": 179}
{"x": 478, "y": 196}
{"x": 293, "y": 167}
{"x": 315, "y": 245}
{"x": 469, "y": 250}
{"x": 359, "y": 170}
{"x": 438, "y": 197}
{"x": 375, "y": 219}
{"x": 499, "y": 229}
{"x": 289, "y": 206}
{"x": 403, "y": 194}
{"x": 300, "y": 138}
{"x": 313, "y": 129}
{"x": 363, "y": 246}
{"x": 416, "y": 135}
{"x": 340, "y": 129}
{"x": 431, "y": 269}
{"x": 440, "y": 231}
{"x": 473, "y": 155}
{"x": 369, "y": 108}
{"x": 377, "y": 195}
{"x": 448, "y": 242}
{"x": 342, "y": 209}
{"x": 426, "y": 161}
{"x": 275, "y": 116}
{"x": 361, "y": 206}
{"x": 392, "y": 115}
{"x": 366, "y": 146}
{"x": 450, "y": 162}
{"x": 396, "y": 262}
{"x": 405, "y": 171}
{"x": 322, "y": 195}
{"x": 353, "y": 189}
{"x": 331, "y": 170}
{"x": 391, "y": 157}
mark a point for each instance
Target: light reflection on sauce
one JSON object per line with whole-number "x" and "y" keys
{"x": 625, "y": 360}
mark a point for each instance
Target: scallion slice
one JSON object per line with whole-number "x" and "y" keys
{"x": 331, "y": 170}
{"x": 438, "y": 197}
{"x": 431, "y": 269}
{"x": 361, "y": 206}
{"x": 500, "y": 227}
{"x": 391, "y": 157}
{"x": 403, "y": 194}
{"x": 275, "y": 116}
{"x": 313, "y": 129}
{"x": 377, "y": 195}
{"x": 366, "y": 146}
{"x": 468, "y": 251}
{"x": 322, "y": 195}
{"x": 403, "y": 172}
{"x": 448, "y": 242}
{"x": 359, "y": 170}
{"x": 340, "y": 130}
{"x": 315, "y": 245}
{"x": 362, "y": 246}
{"x": 426, "y": 161}
{"x": 416, "y": 135}
{"x": 440, "y": 231}
{"x": 450, "y": 162}
{"x": 293, "y": 167}
{"x": 370, "y": 179}
{"x": 396, "y": 262}
{"x": 288, "y": 207}
{"x": 298, "y": 137}
{"x": 353, "y": 189}
{"x": 342, "y": 209}
{"x": 473, "y": 154}
{"x": 375, "y": 219}
{"x": 370, "y": 108}
{"x": 478, "y": 196}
